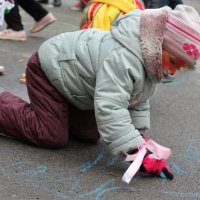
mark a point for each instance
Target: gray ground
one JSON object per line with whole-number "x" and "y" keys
{"x": 82, "y": 171}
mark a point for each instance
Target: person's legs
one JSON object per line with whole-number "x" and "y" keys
{"x": 44, "y": 121}
{"x": 145, "y": 3}
{"x": 42, "y": 1}
{"x": 15, "y": 28}
{"x": 82, "y": 125}
{"x": 33, "y": 8}
{"x": 157, "y": 3}
{"x": 174, "y": 3}
{"x": 152, "y": 3}
{"x": 57, "y": 3}
{"x": 13, "y": 19}
{"x": 42, "y": 17}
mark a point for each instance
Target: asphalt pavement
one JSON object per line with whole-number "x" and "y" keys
{"x": 88, "y": 172}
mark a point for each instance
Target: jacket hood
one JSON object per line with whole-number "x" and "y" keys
{"x": 126, "y": 31}
{"x": 141, "y": 32}
{"x": 152, "y": 40}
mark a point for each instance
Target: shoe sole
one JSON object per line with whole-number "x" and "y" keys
{"x": 15, "y": 39}
{"x": 75, "y": 9}
{"x": 42, "y": 27}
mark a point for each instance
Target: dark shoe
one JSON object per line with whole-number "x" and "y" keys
{"x": 57, "y": 3}
{"x": 43, "y": 1}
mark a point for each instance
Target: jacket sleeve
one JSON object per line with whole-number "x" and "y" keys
{"x": 140, "y": 115}
{"x": 116, "y": 79}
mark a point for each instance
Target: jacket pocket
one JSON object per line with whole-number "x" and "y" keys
{"x": 70, "y": 76}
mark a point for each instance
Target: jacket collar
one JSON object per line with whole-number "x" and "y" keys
{"x": 152, "y": 27}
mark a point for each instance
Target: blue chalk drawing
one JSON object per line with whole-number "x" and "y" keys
{"x": 36, "y": 175}
{"x": 102, "y": 193}
{"x": 182, "y": 194}
{"x": 100, "y": 188}
{"x": 113, "y": 160}
{"x": 177, "y": 169}
{"x": 190, "y": 156}
{"x": 193, "y": 151}
{"x": 23, "y": 163}
{"x": 87, "y": 166}
{"x": 34, "y": 171}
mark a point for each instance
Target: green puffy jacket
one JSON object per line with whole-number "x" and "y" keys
{"x": 104, "y": 71}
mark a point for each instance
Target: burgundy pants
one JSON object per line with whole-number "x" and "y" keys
{"x": 48, "y": 118}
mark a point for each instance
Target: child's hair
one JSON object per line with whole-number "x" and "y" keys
{"x": 182, "y": 34}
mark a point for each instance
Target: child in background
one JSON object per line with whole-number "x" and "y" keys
{"x": 93, "y": 83}
{"x": 102, "y": 13}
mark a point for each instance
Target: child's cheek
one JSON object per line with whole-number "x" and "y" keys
{"x": 166, "y": 64}
{"x": 165, "y": 61}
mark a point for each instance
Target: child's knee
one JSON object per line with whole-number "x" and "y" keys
{"x": 60, "y": 142}
{"x": 85, "y": 136}
{"x": 53, "y": 141}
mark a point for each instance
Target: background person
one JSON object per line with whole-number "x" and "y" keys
{"x": 15, "y": 29}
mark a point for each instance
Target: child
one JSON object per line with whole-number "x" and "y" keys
{"x": 102, "y": 13}
{"x": 113, "y": 73}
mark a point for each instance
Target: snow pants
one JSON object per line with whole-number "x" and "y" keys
{"x": 49, "y": 118}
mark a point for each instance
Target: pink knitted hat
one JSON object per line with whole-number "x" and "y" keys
{"x": 182, "y": 34}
